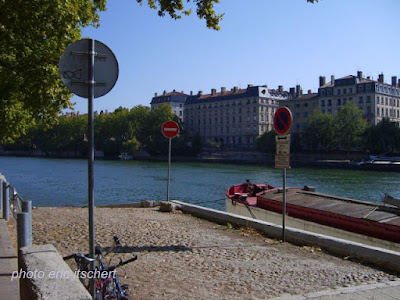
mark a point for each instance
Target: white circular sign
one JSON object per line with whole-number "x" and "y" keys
{"x": 74, "y": 68}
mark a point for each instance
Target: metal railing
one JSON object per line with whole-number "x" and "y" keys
{"x": 13, "y": 204}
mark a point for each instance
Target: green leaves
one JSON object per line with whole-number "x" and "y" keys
{"x": 33, "y": 36}
{"x": 175, "y": 9}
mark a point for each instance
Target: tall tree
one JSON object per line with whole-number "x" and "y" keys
{"x": 351, "y": 126}
{"x": 320, "y": 132}
{"x": 383, "y": 137}
{"x": 33, "y": 36}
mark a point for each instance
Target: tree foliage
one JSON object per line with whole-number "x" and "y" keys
{"x": 321, "y": 132}
{"x": 383, "y": 137}
{"x": 351, "y": 126}
{"x": 33, "y": 36}
{"x": 266, "y": 142}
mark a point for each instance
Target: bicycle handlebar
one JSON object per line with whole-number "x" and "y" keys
{"x": 79, "y": 255}
{"x": 108, "y": 269}
{"x": 121, "y": 263}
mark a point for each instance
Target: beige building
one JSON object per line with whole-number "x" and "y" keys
{"x": 302, "y": 106}
{"x": 377, "y": 99}
{"x": 233, "y": 118}
{"x": 175, "y": 99}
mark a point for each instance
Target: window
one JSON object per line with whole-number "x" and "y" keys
{"x": 360, "y": 88}
{"x": 339, "y": 102}
{"x": 344, "y": 91}
{"x": 329, "y": 102}
{"x": 322, "y": 102}
{"x": 360, "y": 100}
{"x": 368, "y": 99}
{"x": 338, "y": 92}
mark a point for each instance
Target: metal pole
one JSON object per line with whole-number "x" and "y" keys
{"x": 284, "y": 207}
{"x": 1, "y": 194}
{"x": 169, "y": 166}
{"x": 6, "y": 201}
{"x": 27, "y": 207}
{"x": 91, "y": 83}
{"x": 23, "y": 239}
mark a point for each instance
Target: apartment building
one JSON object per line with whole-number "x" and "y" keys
{"x": 233, "y": 118}
{"x": 174, "y": 98}
{"x": 302, "y": 106}
{"x": 376, "y": 99}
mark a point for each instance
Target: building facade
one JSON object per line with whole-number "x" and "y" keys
{"x": 376, "y": 99}
{"x": 233, "y": 118}
{"x": 302, "y": 107}
{"x": 175, "y": 99}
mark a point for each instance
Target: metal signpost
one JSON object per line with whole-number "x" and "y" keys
{"x": 89, "y": 69}
{"x": 282, "y": 124}
{"x": 169, "y": 129}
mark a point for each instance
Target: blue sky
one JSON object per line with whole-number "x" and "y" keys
{"x": 285, "y": 42}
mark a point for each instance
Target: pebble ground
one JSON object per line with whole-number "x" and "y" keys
{"x": 183, "y": 257}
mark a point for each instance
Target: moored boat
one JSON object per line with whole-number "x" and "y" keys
{"x": 366, "y": 222}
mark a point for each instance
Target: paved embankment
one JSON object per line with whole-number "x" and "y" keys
{"x": 8, "y": 263}
{"x": 183, "y": 257}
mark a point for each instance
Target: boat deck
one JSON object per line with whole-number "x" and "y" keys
{"x": 379, "y": 221}
{"x": 337, "y": 205}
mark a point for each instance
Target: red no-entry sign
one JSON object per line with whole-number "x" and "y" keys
{"x": 282, "y": 120}
{"x": 170, "y": 129}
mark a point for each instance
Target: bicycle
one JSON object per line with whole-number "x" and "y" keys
{"x": 107, "y": 285}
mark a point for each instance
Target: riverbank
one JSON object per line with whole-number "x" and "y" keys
{"x": 297, "y": 160}
{"x": 183, "y": 257}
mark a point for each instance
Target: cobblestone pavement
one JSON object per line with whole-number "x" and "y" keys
{"x": 183, "y": 257}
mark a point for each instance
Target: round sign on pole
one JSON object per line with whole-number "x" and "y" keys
{"x": 74, "y": 69}
{"x": 283, "y": 120}
{"x": 170, "y": 129}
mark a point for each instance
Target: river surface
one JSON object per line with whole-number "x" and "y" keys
{"x": 63, "y": 182}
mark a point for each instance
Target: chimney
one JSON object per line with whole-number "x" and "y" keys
{"x": 213, "y": 91}
{"x": 398, "y": 84}
{"x": 322, "y": 81}
{"x": 155, "y": 94}
{"x": 332, "y": 80}
{"x": 359, "y": 75}
{"x": 394, "y": 80}
{"x": 298, "y": 90}
{"x": 280, "y": 88}
{"x": 191, "y": 93}
{"x": 292, "y": 91}
{"x": 164, "y": 93}
{"x": 381, "y": 78}
{"x": 309, "y": 92}
{"x": 249, "y": 85}
{"x": 200, "y": 93}
{"x": 223, "y": 90}
{"x": 235, "y": 89}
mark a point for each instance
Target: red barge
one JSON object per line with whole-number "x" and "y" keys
{"x": 365, "y": 222}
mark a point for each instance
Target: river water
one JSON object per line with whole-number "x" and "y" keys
{"x": 63, "y": 182}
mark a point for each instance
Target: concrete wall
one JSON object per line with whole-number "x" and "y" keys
{"x": 275, "y": 218}
{"x": 380, "y": 257}
{"x": 49, "y": 276}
